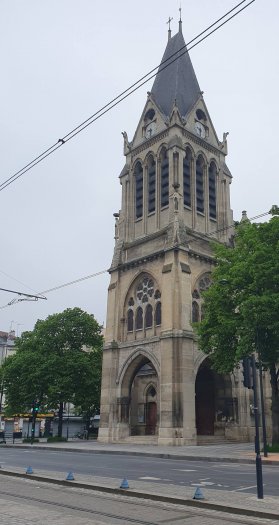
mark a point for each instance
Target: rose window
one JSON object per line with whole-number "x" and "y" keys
{"x": 145, "y": 290}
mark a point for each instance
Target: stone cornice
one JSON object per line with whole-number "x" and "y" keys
{"x": 149, "y": 143}
{"x": 202, "y": 143}
{"x": 140, "y": 342}
{"x": 177, "y": 334}
{"x": 202, "y": 256}
{"x": 133, "y": 263}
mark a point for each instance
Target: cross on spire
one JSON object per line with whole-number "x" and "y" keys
{"x": 169, "y": 21}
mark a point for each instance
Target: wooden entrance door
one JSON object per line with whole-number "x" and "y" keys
{"x": 151, "y": 418}
{"x": 205, "y": 402}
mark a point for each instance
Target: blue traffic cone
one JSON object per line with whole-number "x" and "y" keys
{"x": 29, "y": 470}
{"x": 124, "y": 484}
{"x": 198, "y": 494}
{"x": 70, "y": 476}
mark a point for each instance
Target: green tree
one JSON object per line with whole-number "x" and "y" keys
{"x": 58, "y": 362}
{"x": 242, "y": 305}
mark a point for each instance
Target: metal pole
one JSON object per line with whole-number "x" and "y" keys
{"x": 257, "y": 435}
{"x": 262, "y": 407}
{"x": 68, "y": 422}
{"x": 33, "y": 427}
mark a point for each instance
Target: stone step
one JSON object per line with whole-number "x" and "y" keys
{"x": 215, "y": 440}
{"x": 140, "y": 440}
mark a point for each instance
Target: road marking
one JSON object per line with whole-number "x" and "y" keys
{"x": 203, "y": 484}
{"x": 184, "y": 470}
{"x": 150, "y": 478}
{"x": 245, "y": 488}
{"x": 230, "y": 465}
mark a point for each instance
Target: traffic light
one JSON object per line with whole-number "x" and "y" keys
{"x": 247, "y": 372}
{"x": 35, "y": 408}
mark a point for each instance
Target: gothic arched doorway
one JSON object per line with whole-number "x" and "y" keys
{"x": 205, "y": 401}
{"x": 143, "y": 401}
{"x": 215, "y": 406}
{"x": 139, "y": 401}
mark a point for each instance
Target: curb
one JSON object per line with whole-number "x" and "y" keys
{"x": 139, "y": 494}
{"x": 161, "y": 455}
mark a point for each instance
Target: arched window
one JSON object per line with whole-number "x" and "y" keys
{"x": 148, "y": 316}
{"x": 195, "y": 312}
{"x": 201, "y": 285}
{"x": 187, "y": 178}
{"x": 212, "y": 171}
{"x": 199, "y": 184}
{"x": 138, "y": 190}
{"x": 130, "y": 321}
{"x": 151, "y": 177}
{"x": 142, "y": 308}
{"x": 164, "y": 178}
{"x": 151, "y": 391}
{"x": 139, "y": 319}
{"x": 158, "y": 314}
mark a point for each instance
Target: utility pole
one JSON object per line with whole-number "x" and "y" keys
{"x": 257, "y": 434}
{"x": 250, "y": 381}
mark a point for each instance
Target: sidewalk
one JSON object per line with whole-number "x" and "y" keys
{"x": 236, "y": 502}
{"x": 236, "y": 453}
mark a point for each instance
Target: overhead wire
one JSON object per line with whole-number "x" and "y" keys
{"x": 126, "y": 93}
{"x": 143, "y": 80}
{"x": 90, "y": 276}
{"x": 17, "y": 280}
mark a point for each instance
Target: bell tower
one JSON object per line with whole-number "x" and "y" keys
{"x": 175, "y": 200}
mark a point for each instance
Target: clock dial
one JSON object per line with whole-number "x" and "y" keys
{"x": 150, "y": 130}
{"x": 200, "y": 129}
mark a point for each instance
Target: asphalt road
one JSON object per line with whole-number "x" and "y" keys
{"x": 26, "y": 502}
{"x": 221, "y": 476}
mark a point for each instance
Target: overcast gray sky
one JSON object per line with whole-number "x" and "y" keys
{"x": 61, "y": 60}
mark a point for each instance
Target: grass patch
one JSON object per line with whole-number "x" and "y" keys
{"x": 273, "y": 448}
{"x": 56, "y": 439}
{"x": 28, "y": 440}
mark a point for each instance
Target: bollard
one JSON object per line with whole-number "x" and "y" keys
{"x": 198, "y": 494}
{"x": 124, "y": 484}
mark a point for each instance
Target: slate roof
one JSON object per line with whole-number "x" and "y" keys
{"x": 177, "y": 81}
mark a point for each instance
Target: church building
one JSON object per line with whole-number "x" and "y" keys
{"x": 157, "y": 387}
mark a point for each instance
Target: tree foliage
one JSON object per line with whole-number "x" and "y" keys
{"x": 58, "y": 362}
{"x": 242, "y": 305}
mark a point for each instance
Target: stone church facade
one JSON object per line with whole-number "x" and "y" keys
{"x": 175, "y": 201}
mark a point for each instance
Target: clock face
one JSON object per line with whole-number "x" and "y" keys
{"x": 200, "y": 129}
{"x": 150, "y": 130}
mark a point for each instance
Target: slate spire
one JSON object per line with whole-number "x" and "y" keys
{"x": 177, "y": 82}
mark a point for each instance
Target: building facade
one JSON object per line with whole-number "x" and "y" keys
{"x": 7, "y": 341}
{"x": 175, "y": 200}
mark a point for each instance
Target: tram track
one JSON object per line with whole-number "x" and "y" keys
{"x": 218, "y": 516}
